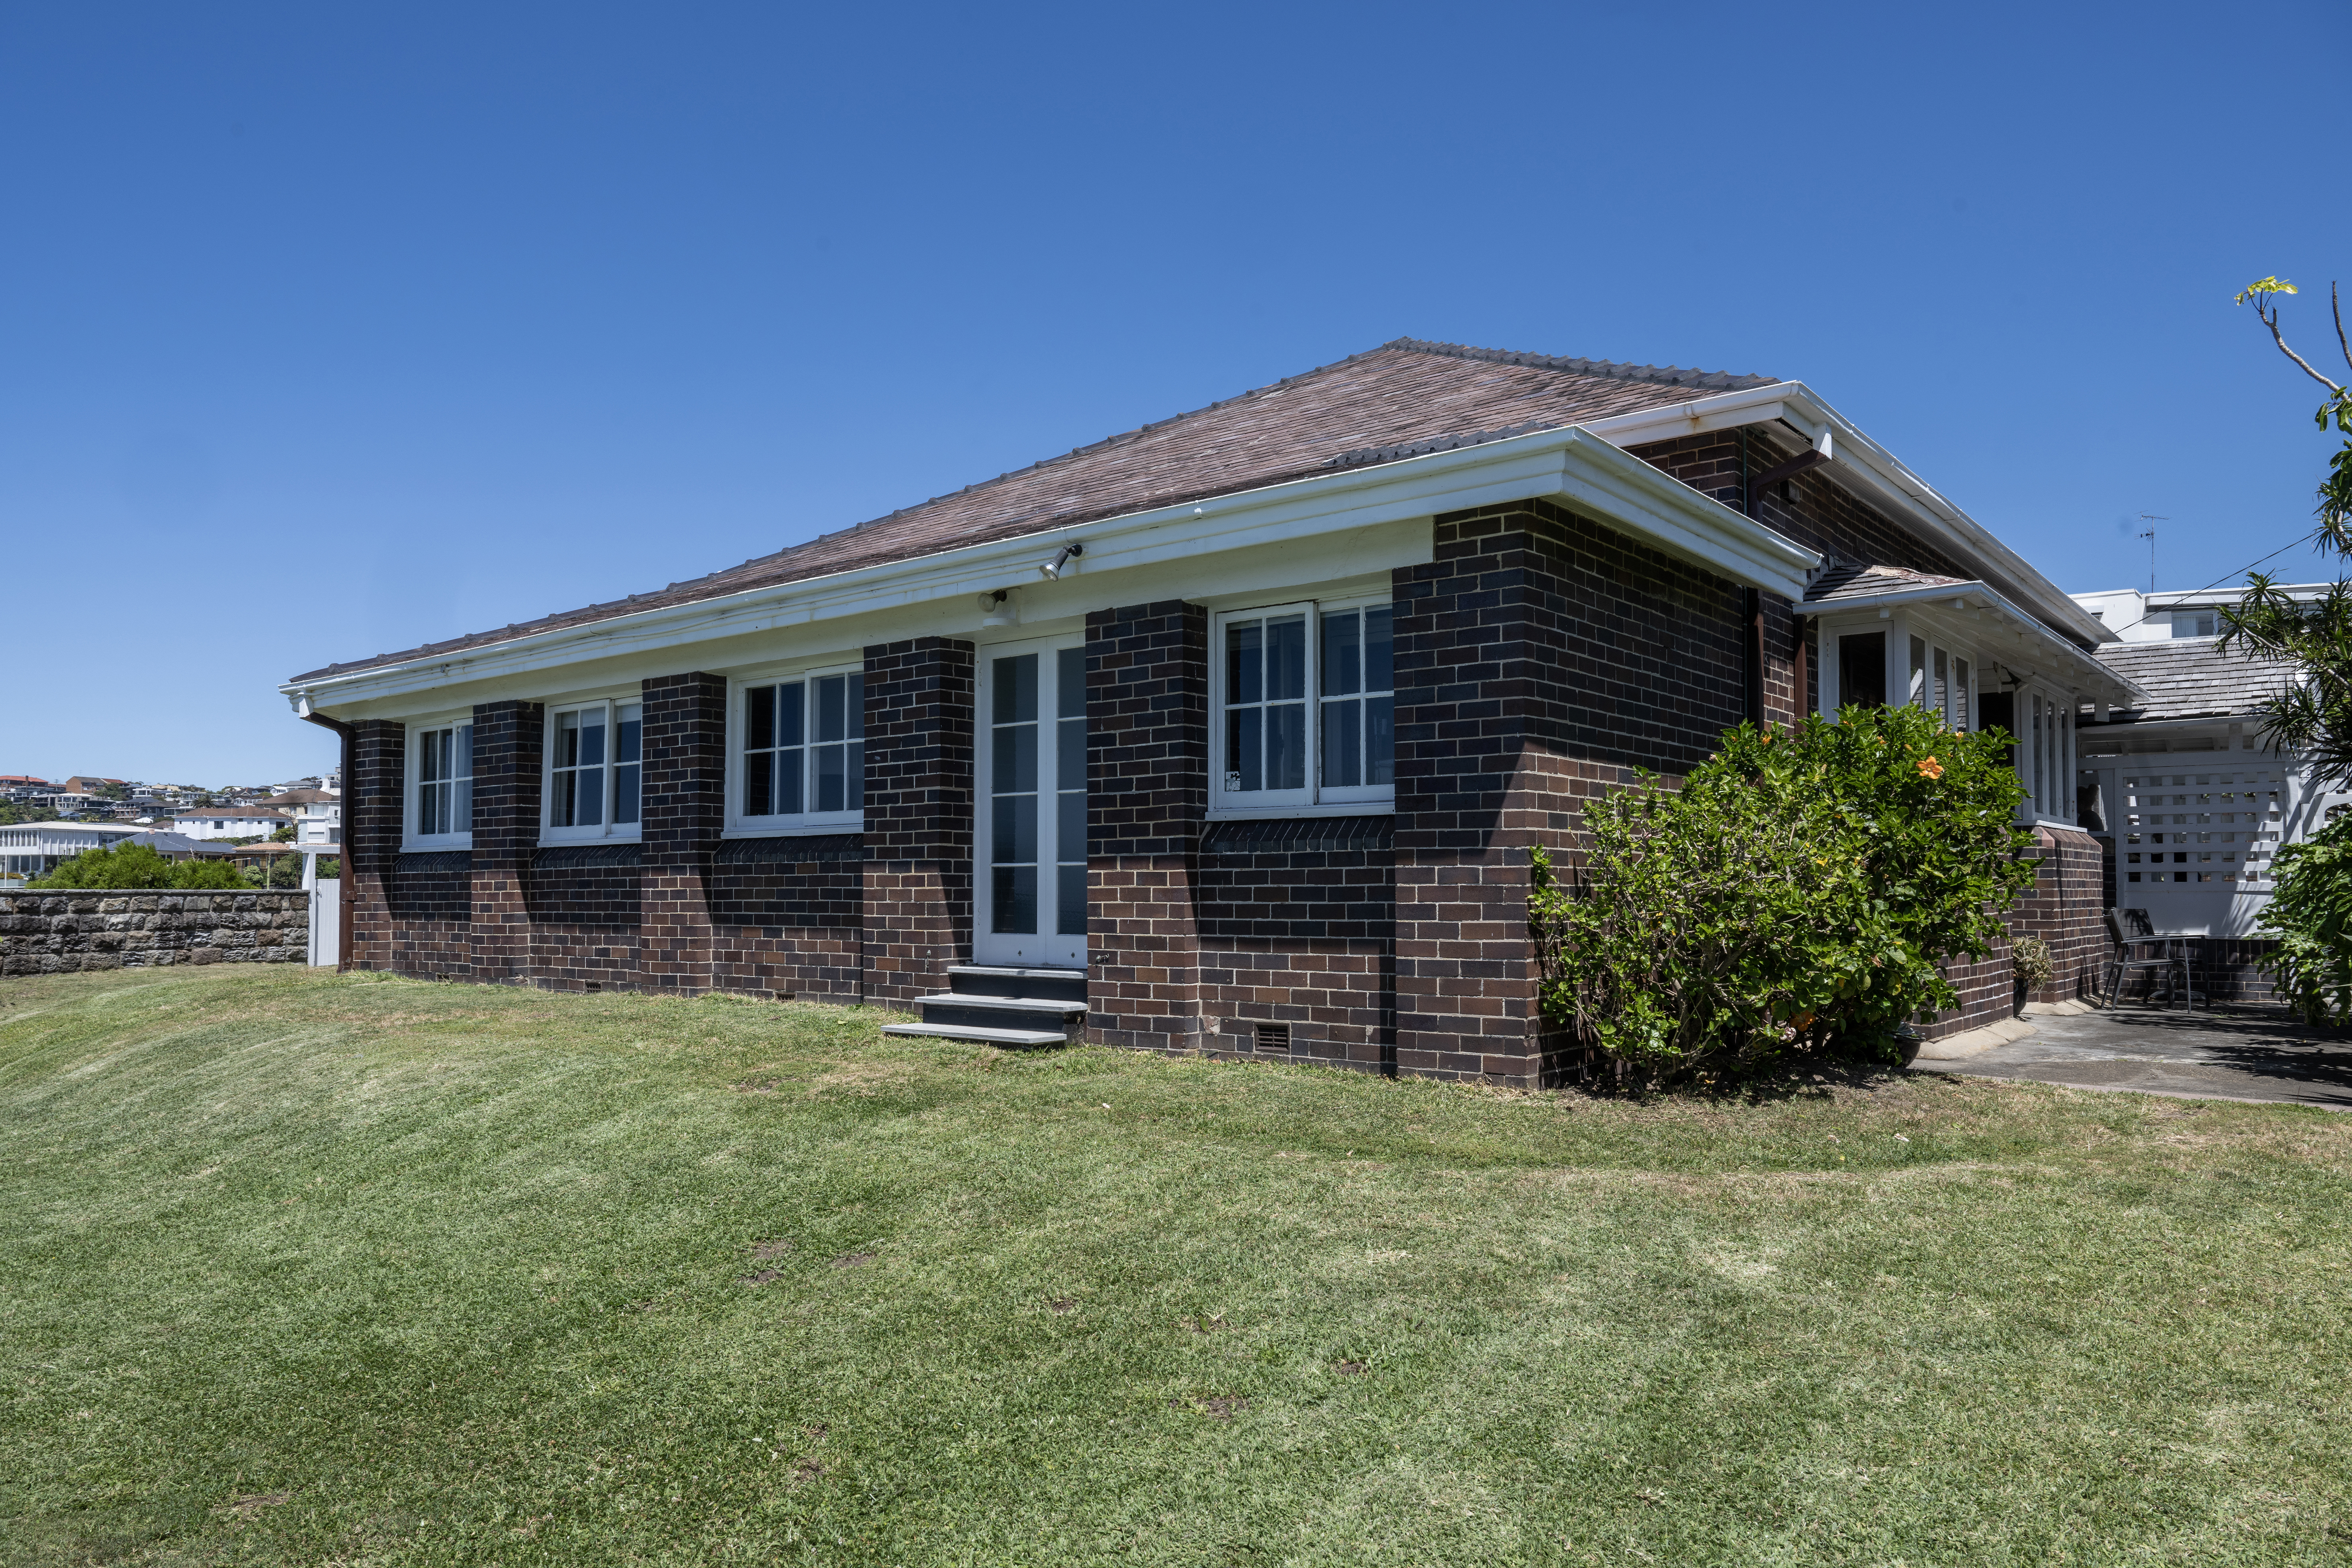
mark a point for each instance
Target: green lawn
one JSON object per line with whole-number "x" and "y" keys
{"x": 320, "y": 1269}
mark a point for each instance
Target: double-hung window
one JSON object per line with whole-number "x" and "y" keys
{"x": 1305, "y": 707}
{"x": 800, "y": 753}
{"x": 596, "y": 767}
{"x": 441, "y": 798}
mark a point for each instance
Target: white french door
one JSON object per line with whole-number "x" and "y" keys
{"x": 1029, "y": 858}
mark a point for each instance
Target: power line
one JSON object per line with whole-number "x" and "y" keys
{"x": 2223, "y": 578}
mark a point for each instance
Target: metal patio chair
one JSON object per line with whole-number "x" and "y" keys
{"x": 2138, "y": 950}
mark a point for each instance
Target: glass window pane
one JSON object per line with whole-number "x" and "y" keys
{"x": 1070, "y": 832}
{"x": 1343, "y": 743}
{"x": 1379, "y": 740}
{"x": 1071, "y": 915}
{"x": 760, "y": 784}
{"x": 567, "y": 739}
{"x": 1070, "y": 683}
{"x": 465, "y": 765}
{"x": 1015, "y": 908}
{"x": 1286, "y": 746}
{"x": 625, "y": 792}
{"x": 1379, "y": 663}
{"x": 759, "y": 718}
{"x": 1243, "y": 641}
{"x": 1242, "y": 770}
{"x": 428, "y": 755}
{"x": 792, "y": 702}
{"x": 631, "y": 736}
{"x": 1016, "y": 758}
{"x": 857, "y": 788}
{"x": 589, "y": 802}
{"x": 1862, "y": 670}
{"x": 856, "y": 707}
{"x": 1014, "y": 829}
{"x": 561, "y": 809}
{"x": 1070, "y": 754}
{"x": 790, "y": 762}
{"x": 461, "y": 817}
{"x": 1015, "y": 697}
{"x": 1342, "y": 670}
{"x": 832, "y": 772}
{"x": 832, "y": 708}
{"x": 1285, "y": 657}
{"x": 1919, "y": 697}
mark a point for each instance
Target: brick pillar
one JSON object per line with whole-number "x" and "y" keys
{"x": 685, "y": 808}
{"x": 371, "y": 815}
{"x": 1147, "y": 795}
{"x": 1540, "y": 657}
{"x": 918, "y": 821}
{"x": 506, "y": 739}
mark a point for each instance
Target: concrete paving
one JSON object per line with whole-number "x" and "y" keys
{"x": 2229, "y": 1052}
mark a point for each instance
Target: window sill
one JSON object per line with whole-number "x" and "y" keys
{"x": 1277, "y": 812}
{"x": 433, "y": 846}
{"x": 548, "y": 840}
{"x": 799, "y": 830}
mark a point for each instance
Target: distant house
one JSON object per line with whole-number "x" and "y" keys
{"x": 2193, "y": 809}
{"x": 1230, "y": 734}
{"x": 23, "y": 787}
{"x": 317, "y": 814}
{"x": 228, "y": 822}
{"x": 34, "y": 848}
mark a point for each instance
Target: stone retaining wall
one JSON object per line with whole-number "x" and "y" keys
{"x": 52, "y": 932}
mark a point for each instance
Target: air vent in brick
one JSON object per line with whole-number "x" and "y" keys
{"x": 1274, "y": 1036}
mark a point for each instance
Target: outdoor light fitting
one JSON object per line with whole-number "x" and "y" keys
{"x": 1052, "y": 569}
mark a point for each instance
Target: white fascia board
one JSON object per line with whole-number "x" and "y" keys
{"x": 1878, "y": 469}
{"x": 1979, "y": 595}
{"x": 1570, "y": 463}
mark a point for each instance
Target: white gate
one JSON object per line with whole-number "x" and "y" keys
{"x": 326, "y": 922}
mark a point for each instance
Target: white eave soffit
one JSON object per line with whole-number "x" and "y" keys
{"x": 1571, "y": 465}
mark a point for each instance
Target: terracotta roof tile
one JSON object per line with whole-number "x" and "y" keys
{"x": 1376, "y": 407}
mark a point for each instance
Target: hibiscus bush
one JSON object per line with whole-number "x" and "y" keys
{"x": 1802, "y": 890}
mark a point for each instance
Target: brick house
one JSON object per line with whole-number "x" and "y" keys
{"x": 1228, "y": 734}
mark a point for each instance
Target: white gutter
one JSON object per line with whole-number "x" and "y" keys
{"x": 1877, "y": 470}
{"x": 1594, "y": 475}
{"x": 1980, "y": 597}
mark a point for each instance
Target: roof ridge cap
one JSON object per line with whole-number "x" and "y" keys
{"x": 1613, "y": 370}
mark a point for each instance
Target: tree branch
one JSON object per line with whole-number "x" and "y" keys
{"x": 2271, "y": 318}
{"x": 2336, "y": 299}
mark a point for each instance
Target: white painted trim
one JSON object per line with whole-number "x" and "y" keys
{"x": 411, "y": 841}
{"x": 733, "y": 823}
{"x": 1314, "y": 797}
{"x": 810, "y": 830}
{"x": 1857, "y": 454}
{"x": 1589, "y": 472}
{"x": 607, "y": 831}
{"x": 2089, "y": 674}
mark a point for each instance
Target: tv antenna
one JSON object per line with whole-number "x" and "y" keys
{"x": 2150, "y": 519}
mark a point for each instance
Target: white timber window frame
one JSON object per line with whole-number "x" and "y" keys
{"x": 591, "y": 771}
{"x": 796, "y": 751}
{"x": 437, "y": 808}
{"x": 1302, "y": 712}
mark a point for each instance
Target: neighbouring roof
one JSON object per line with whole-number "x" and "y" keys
{"x": 1392, "y": 402}
{"x": 2192, "y": 677}
{"x": 254, "y": 813}
{"x": 1860, "y": 580}
{"x": 301, "y": 797}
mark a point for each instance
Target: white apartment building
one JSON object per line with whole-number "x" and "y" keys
{"x": 34, "y": 848}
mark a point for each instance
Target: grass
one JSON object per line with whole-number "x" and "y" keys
{"x": 301, "y": 1269}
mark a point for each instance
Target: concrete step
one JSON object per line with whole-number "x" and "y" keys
{"x": 990, "y": 1036}
{"x": 1065, "y": 1006}
{"x": 1000, "y": 980}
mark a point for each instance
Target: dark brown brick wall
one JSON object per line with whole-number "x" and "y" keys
{"x": 788, "y": 916}
{"x": 684, "y": 742}
{"x": 371, "y": 841}
{"x": 507, "y": 740}
{"x": 1541, "y": 657}
{"x": 584, "y": 906}
{"x": 916, "y": 899}
{"x": 1148, "y": 793}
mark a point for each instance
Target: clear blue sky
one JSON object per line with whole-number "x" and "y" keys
{"x": 327, "y": 331}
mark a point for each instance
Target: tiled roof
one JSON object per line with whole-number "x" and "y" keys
{"x": 1394, "y": 400}
{"x": 1858, "y": 580}
{"x": 2189, "y": 678}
